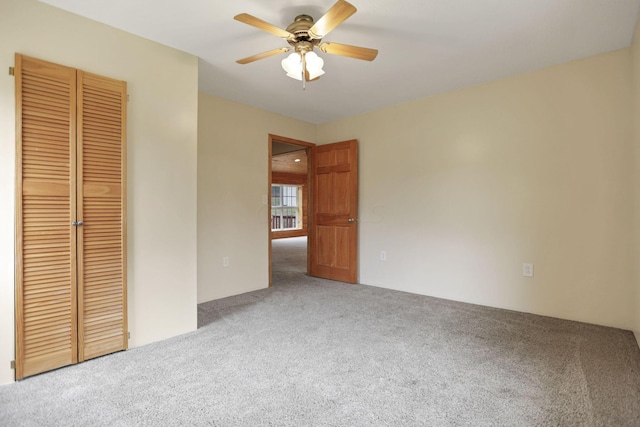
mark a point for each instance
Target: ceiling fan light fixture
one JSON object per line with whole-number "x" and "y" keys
{"x": 292, "y": 64}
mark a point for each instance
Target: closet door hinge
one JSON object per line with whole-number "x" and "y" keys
{"x": 12, "y": 71}
{"x": 13, "y": 365}
{"x": 128, "y": 99}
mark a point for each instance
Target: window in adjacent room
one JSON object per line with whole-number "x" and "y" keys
{"x": 286, "y": 210}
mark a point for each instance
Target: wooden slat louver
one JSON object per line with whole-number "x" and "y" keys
{"x": 102, "y": 312}
{"x": 45, "y": 240}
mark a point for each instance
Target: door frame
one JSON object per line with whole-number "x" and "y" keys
{"x": 307, "y": 146}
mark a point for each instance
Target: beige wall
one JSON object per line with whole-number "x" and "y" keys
{"x": 635, "y": 68}
{"x": 233, "y": 161}
{"x": 460, "y": 189}
{"x": 162, "y": 152}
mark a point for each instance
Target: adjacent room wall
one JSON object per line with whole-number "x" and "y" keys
{"x": 462, "y": 188}
{"x": 635, "y": 69}
{"x": 233, "y": 221}
{"x": 162, "y": 162}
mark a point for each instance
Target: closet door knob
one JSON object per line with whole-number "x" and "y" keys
{"x": 77, "y": 223}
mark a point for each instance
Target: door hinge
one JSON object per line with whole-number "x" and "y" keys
{"x": 128, "y": 335}
{"x": 13, "y": 364}
{"x": 12, "y": 71}
{"x": 128, "y": 98}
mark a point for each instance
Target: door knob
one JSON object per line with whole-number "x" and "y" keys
{"x": 77, "y": 223}
{"x": 352, "y": 220}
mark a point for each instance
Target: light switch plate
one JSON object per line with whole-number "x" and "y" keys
{"x": 527, "y": 270}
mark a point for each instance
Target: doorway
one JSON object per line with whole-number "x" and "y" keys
{"x": 289, "y": 205}
{"x": 332, "y": 207}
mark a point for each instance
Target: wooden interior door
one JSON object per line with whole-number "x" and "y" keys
{"x": 333, "y": 238}
{"x": 46, "y": 316}
{"x": 101, "y": 185}
{"x": 71, "y": 300}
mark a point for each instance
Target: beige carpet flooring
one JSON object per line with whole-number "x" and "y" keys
{"x": 312, "y": 352}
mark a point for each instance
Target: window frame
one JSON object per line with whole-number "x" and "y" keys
{"x": 279, "y": 209}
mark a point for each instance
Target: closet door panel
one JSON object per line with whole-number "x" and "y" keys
{"x": 101, "y": 189}
{"x": 46, "y": 331}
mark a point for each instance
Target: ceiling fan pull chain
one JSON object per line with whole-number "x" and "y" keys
{"x": 304, "y": 71}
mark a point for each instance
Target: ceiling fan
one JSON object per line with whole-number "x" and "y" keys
{"x": 304, "y": 35}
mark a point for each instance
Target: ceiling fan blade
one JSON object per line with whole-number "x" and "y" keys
{"x": 338, "y": 13}
{"x": 263, "y": 25}
{"x": 263, "y": 55}
{"x": 356, "y": 52}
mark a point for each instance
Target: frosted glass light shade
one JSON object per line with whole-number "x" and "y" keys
{"x": 314, "y": 65}
{"x": 292, "y": 64}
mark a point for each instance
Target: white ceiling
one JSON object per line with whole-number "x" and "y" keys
{"x": 426, "y": 46}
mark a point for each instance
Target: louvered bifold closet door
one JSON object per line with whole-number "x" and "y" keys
{"x": 46, "y": 334}
{"x": 102, "y": 299}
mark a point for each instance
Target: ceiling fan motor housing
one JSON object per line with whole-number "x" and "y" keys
{"x": 300, "y": 29}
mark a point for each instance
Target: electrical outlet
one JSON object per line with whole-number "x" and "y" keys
{"x": 225, "y": 261}
{"x": 527, "y": 270}
{"x": 383, "y": 255}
